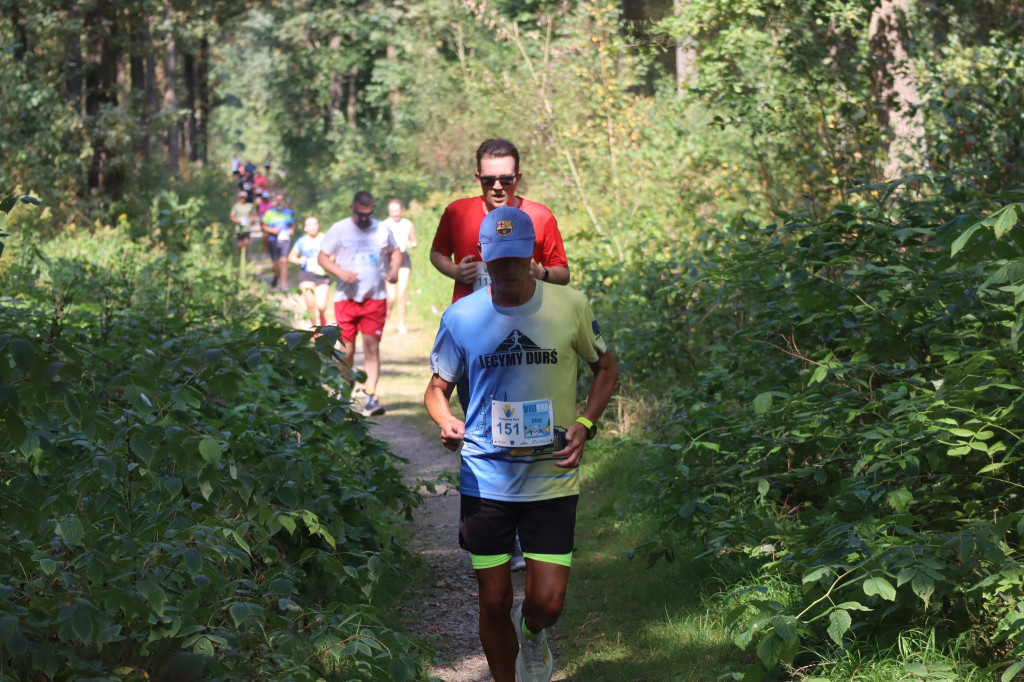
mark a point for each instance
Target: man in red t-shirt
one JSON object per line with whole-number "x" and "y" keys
{"x": 454, "y": 251}
{"x": 456, "y": 248}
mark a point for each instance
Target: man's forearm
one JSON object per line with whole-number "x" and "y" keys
{"x": 435, "y": 399}
{"x": 328, "y": 264}
{"x": 558, "y": 274}
{"x": 394, "y": 264}
{"x": 443, "y": 264}
{"x": 606, "y": 375}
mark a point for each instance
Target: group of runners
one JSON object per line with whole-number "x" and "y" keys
{"x": 269, "y": 221}
{"x": 508, "y": 346}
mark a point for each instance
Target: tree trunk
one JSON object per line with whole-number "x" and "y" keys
{"x": 350, "y": 109}
{"x": 171, "y": 99}
{"x": 12, "y": 9}
{"x": 100, "y": 91}
{"x": 152, "y": 103}
{"x": 686, "y": 55}
{"x": 189, "y": 72}
{"x": 73, "y": 59}
{"x": 137, "y": 67}
{"x": 391, "y": 55}
{"x": 894, "y": 82}
{"x": 337, "y": 88}
{"x": 203, "y": 103}
{"x": 139, "y": 86}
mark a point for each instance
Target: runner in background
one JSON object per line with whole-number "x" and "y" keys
{"x": 278, "y": 222}
{"x": 260, "y": 183}
{"x": 454, "y": 251}
{"x": 243, "y": 215}
{"x": 313, "y": 280}
{"x": 262, "y": 206}
{"x": 246, "y": 184}
{"x": 405, "y": 237}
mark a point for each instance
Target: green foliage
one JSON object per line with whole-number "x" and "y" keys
{"x": 181, "y": 496}
{"x": 971, "y": 104}
{"x": 842, "y": 408}
{"x": 7, "y": 202}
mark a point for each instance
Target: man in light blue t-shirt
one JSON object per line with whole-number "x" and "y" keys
{"x": 516, "y": 343}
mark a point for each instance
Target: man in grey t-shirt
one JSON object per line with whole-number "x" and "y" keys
{"x": 362, "y": 254}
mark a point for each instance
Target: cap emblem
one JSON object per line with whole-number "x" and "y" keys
{"x": 504, "y": 228}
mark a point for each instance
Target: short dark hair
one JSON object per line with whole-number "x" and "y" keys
{"x": 496, "y": 148}
{"x": 363, "y": 199}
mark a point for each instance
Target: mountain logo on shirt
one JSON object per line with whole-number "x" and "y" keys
{"x": 518, "y": 349}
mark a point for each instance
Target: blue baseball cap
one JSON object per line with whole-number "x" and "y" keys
{"x": 506, "y": 232}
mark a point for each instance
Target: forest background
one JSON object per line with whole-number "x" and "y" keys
{"x": 798, "y": 223}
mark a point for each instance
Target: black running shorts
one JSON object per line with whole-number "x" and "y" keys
{"x": 488, "y": 527}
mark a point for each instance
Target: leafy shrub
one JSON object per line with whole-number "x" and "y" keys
{"x": 181, "y": 495}
{"x": 842, "y": 408}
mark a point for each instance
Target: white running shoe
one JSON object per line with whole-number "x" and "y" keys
{"x": 534, "y": 662}
{"x": 372, "y": 406}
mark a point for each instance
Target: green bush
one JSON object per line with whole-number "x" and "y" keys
{"x": 181, "y": 495}
{"x": 842, "y": 407}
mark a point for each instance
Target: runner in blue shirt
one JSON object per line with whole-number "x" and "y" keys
{"x": 515, "y": 343}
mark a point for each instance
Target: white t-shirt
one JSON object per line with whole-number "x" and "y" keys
{"x": 401, "y": 230}
{"x": 365, "y": 252}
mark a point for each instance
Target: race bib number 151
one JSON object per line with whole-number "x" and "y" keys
{"x": 521, "y": 424}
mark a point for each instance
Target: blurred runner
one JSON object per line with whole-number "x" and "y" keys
{"x": 313, "y": 280}
{"x": 405, "y": 237}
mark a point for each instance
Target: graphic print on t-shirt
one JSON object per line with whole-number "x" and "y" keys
{"x": 518, "y": 349}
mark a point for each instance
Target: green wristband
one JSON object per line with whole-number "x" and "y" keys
{"x": 586, "y": 422}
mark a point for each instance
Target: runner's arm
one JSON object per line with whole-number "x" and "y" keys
{"x": 464, "y": 271}
{"x": 557, "y": 274}
{"x": 436, "y": 399}
{"x": 393, "y": 266}
{"x": 606, "y": 375}
{"x": 412, "y": 237}
{"x": 295, "y": 257}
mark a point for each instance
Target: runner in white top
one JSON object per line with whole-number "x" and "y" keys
{"x": 405, "y": 237}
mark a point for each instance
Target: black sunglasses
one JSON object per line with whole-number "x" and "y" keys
{"x": 505, "y": 180}
{"x": 358, "y": 214}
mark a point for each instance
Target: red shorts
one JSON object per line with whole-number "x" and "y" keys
{"x": 367, "y": 317}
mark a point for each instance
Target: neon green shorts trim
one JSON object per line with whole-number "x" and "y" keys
{"x": 482, "y": 561}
